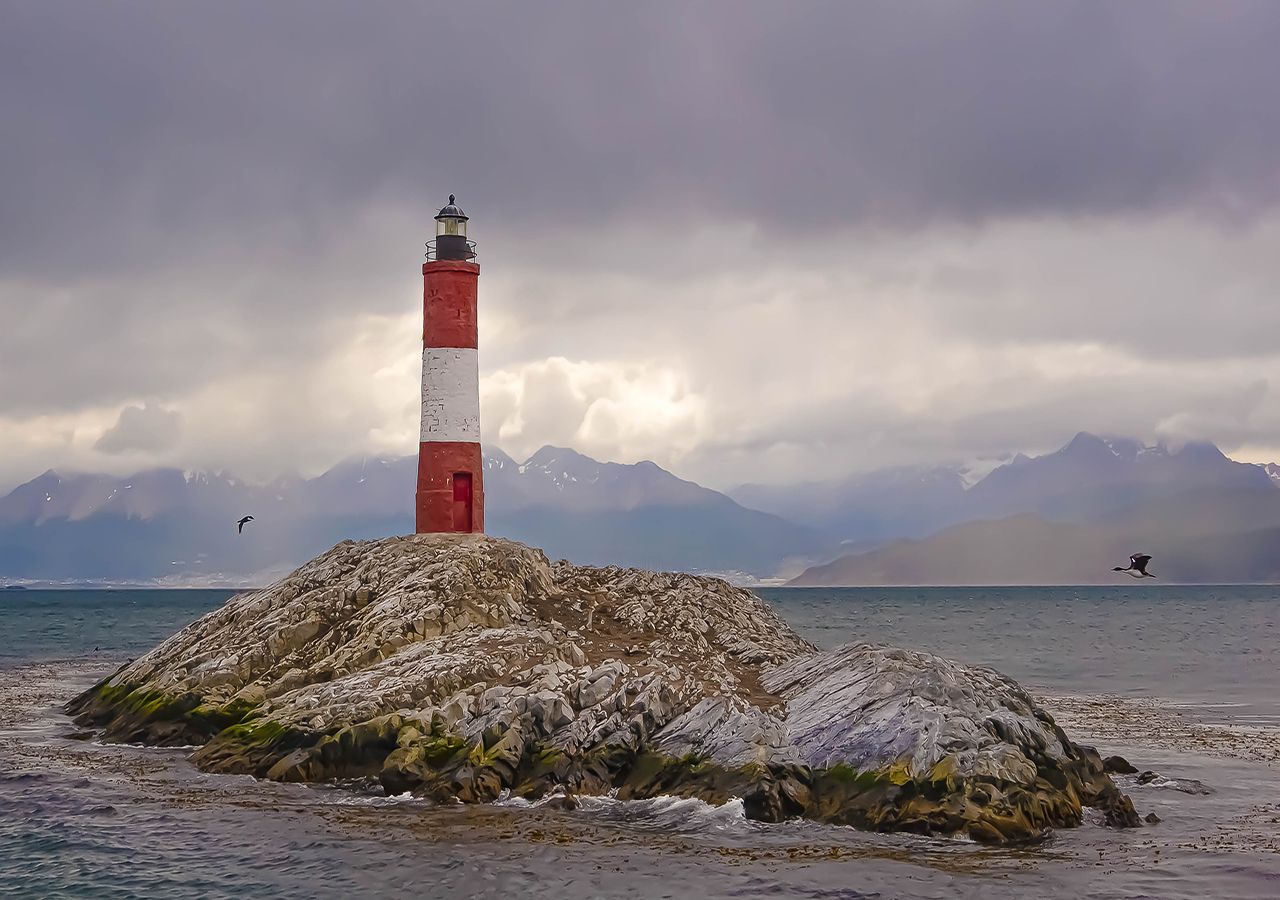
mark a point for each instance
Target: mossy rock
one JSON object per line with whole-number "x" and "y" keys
{"x": 423, "y": 760}
{"x": 989, "y": 811}
{"x": 253, "y": 747}
{"x": 219, "y": 717}
{"x": 128, "y": 713}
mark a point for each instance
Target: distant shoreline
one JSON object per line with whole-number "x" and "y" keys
{"x": 1082, "y": 584}
{"x": 35, "y": 587}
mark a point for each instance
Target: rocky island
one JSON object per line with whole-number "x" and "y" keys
{"x": 460, "y": 667}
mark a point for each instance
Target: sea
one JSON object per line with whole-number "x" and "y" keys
{"x": 1181, "y": 681}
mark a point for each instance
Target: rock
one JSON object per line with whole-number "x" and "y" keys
{"x": 1118, "y": 765}
{"x": 1152, "y": 819}
{"x": 460, "y": 667}
{"x": 595, "y": 691}
{"x": 1186, "y": 785}
{"x": 903, "y": 740}
{"x": 1117, "y": 807}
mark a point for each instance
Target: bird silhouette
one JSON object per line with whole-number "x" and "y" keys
{"x": 240, "y": 524}
{"x": 1137, "y": 567}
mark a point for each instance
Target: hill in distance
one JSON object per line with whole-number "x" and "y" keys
{"x": 1087, "y": 478}
{"x": 167, "y": 526}
{"x": 1068, "y": 517}
{"x": 1064, "y": 517}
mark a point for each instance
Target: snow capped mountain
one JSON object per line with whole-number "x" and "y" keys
{"x": 1088, "y": 477}
{"x": 561, "y": 466}
{"x": 77, "y": 496}
{"x": 1053, "y": 519}
{"x": 145, "y": 525}
{"x": 580, "y": 482}
{"x": 166, "y": 523}
{"x": 1093, "y": 474}
{"x": 1273, "y": 472}
{"x": 974, "y": 470}
{"x": 497, "y": 461}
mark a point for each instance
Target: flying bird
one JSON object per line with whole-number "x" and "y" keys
{"x": 1137, "y": 567}
{"x": 240, "y": 524}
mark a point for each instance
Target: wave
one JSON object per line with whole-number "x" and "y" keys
{"x": 671, "y": 814}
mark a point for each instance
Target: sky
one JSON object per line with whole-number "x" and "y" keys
{"x": 751, "y": 241}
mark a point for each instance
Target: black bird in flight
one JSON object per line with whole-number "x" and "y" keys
{"x": 240, "y": 524}
{"x": 1137, "y": 566}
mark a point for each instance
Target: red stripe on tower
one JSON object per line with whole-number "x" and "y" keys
{"x": 450, "y": 493}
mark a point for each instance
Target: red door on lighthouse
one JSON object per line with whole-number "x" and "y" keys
{"x": 462, "y": 501}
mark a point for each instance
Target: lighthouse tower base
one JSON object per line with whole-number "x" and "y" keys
{"x": 450, "y": 494}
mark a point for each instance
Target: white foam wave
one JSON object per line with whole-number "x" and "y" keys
{"x": 508, "y": 800}
{"x": 664, "y": 812}
{"x": 340, "y": 797}
{"x": 670, "y": 813}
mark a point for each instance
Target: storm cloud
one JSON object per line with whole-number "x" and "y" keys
{"x": 742, "y": 240}
{"x": 142, "y": 428}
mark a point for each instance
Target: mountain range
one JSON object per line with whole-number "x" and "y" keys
{"x": 1070, "y": 516}
{"x": 171, "y": 526}
{"x": 1062, "y": 517}
{"x": 1087, "y": 478}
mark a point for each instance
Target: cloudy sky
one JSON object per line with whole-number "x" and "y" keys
{"x": 749, "y": 241}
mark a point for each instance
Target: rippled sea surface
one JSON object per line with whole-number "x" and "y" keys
{"x": 1182, "y": 681}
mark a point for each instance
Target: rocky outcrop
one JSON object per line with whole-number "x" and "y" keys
{"x": 953, "y": 747}
{"x": 459, "y": 667}
{"x": 1118, "y": 765}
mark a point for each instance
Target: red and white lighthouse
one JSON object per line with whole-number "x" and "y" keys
{"x": 450, "y": 493}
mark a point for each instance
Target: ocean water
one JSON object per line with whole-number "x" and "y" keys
{"x": 1180, "y": 680}
{"x": 1208, "y": 646}
{"x": 113, "y": 624}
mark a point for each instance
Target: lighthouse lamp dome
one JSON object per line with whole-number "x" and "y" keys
{"x": 451, "y": 219}
{"x": 451, "y": 233}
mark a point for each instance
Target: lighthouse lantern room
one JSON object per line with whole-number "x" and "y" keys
{"x": 451, "y": 233}
{"x": 450, "y": 494}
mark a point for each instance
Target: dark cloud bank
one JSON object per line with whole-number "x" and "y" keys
{"x": 132, "y": 125}
{"x": 194, "y": 192}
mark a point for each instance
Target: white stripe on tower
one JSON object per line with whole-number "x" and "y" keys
{"x": 450, "y": 394}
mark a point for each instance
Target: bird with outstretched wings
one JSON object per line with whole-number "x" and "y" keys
{"x": 240, "y": 524}
{"x": 1137, "y": 567}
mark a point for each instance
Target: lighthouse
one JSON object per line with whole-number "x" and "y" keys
{"x": 450, "y": 496}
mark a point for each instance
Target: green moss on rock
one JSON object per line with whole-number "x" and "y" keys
{"x": 129, "y": 714}
{"x": 216, "y": 718}
{"x": 253, "y": 747}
